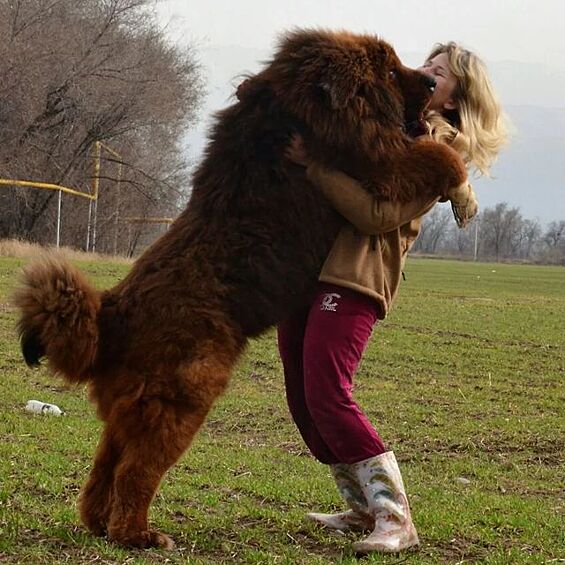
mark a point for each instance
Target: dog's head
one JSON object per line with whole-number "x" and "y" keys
{"x": 347, "y": 89}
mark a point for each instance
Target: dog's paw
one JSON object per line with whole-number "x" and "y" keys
{"x": 96, "y": 528}
{"x": 94, "y": 521}
{"x": 161, "y": 540}
{"x": 143, "y": 539}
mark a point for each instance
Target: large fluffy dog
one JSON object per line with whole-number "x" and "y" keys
{"x": 158, "y": 348}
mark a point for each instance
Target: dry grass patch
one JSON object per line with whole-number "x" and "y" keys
{"x": 26, "y": 250}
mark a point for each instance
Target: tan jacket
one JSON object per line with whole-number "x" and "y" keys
{"x": 369, "y": 253}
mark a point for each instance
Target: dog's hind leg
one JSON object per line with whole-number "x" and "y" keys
{"x": 145, "y": 459}
{"x": 95, "y": 497}
{"x": 154, "y": 432}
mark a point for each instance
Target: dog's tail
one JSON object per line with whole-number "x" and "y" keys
{"x": 58, "y": 317}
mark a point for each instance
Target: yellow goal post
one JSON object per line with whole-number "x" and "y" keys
{"x": 91, "y": 196}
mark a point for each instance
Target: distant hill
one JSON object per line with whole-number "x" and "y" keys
{"x": 531, "y": 171}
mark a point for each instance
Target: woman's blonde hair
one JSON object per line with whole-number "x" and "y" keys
{"x": 476, "y": 128}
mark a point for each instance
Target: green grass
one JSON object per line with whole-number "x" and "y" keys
{"x": 465, "y": 379}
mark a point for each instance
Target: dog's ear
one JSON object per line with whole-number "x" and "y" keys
{"x": 334, "y": 63}
{"x": 342, "y": 72}
{"x": 251, "y": 86}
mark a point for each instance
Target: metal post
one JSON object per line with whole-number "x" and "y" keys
{"x": 88, "y": 226}
{"x": 58, "y": 239}
{"x": 94, "y": 225}
{"x": 95, "y": 187}
{"x": 476, "y": 239}
{"x": 117, "y": 213}
{"x": 129, "y": 240}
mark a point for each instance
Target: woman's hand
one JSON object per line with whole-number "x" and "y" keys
{"x": 463, "y": 203}
{"x": 296, "y": 152}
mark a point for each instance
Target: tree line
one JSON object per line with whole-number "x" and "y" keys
{"x": 499, "y": 233}
{"x": 75, "y": 72}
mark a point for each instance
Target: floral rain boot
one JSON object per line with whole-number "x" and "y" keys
{"x": 357, "y": 518}
{"x": 384, "y": 492}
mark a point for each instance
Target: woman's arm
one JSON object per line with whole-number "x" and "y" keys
{"x": 357, "y": 205}
{"x": 368, "y": 214}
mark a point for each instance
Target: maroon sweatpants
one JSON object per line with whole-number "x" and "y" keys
{"x": 320, "y": 349}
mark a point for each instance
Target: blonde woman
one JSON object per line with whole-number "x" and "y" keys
{"x": 321, "y": 347}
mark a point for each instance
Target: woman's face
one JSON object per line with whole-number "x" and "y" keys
{"x": 446, "y": 82}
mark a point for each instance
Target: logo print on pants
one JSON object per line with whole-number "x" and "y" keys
{"x": 327, "y": 302}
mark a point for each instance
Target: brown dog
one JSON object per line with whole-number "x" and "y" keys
{"x": 158, "y": 348}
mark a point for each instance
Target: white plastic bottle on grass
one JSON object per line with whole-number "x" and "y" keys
{"x": 39, "y": 407}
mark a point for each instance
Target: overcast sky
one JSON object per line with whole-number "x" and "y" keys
{"x": 523, "y": 30}
{"x": 522, "y": 41}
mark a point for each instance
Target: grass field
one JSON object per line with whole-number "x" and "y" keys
{"x": 464, "y": 381}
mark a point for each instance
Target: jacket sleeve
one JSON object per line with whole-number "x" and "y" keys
{"x": 368, "y": 214}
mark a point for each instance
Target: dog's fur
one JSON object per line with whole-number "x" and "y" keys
{"x": 158, "y": 348}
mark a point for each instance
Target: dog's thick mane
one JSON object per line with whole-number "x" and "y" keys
{"x": 325, "y": 84}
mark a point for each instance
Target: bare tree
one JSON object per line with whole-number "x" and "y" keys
{"x": 554, "y": 243}
{"x": 529, "y": 238}
{"x": 463, "y": 240}
{"x": 434, "y": 230}
{"x": 555, "y": 234}
{"x": 78, "y": 71}
{"x": 500, "y": 231}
